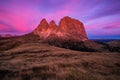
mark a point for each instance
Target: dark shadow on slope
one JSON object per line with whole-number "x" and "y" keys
{"x": 70, "y": 44}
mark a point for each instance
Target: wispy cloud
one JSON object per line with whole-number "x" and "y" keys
{"x": 101, "y": 17}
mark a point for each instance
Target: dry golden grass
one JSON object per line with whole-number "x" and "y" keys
{"x": 40, "y": 61}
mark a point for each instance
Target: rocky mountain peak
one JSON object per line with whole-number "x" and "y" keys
{"x": 68, "y": 28}
{"x": 43, "y": 24}
{"x": 52, "y": 24}
{"x": 43, "y": 21}
{"x": 74, "y": 27}
{"x": 66, "y": 17}
{"x": 42, "y": 27}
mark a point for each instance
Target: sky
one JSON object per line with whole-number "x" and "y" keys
{"x": 101, "y": 18}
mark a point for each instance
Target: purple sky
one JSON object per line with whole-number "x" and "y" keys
{"x": 100, "y": 17}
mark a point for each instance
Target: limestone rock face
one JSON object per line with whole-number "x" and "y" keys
{"x": 73, "y": 28}
{"x": 52, "y": 25}
{"x": 68, "y": 29}
{"x": 42, "y": 28}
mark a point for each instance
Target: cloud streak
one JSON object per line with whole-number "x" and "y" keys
{"x": 101, "y": 17}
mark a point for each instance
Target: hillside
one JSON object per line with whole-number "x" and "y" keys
{"x": 58, "y": 52}
{"x": 29, "y": 58}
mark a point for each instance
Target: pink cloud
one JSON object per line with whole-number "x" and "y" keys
{"x": 2, "y": 27}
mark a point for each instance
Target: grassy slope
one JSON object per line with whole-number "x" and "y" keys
{"x": 27, "y": 59}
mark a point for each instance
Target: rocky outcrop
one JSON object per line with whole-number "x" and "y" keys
{"x": 73, "y": 28}
{"x": 42, "y": 28}
{"x": 69, "y": 33}
{"x": 68, "y": 29}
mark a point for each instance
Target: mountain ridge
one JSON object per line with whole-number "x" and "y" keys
{"x": 68, "y": 28}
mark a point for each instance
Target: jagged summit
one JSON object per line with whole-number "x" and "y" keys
{"x": 68, "y": 28}
{"x": 73, "y": 27}
{"x": 42, "y": 27}
{"x": 52, "y": 24}
{"x": 43, "y": 23}
{"x": 66, "y": 17}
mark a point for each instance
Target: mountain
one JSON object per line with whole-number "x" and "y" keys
{"x": 68, "y": 29}
{"x": 70, "y": 34}
{"x": 28, "y": 57}
{"x": 34, "y": 56}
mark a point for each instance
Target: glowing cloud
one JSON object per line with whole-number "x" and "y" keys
{"x": 101, "y": 17}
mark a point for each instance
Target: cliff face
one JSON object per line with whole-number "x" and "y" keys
{"x": 68, "y": 29}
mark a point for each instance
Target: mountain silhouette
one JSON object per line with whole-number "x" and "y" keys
{"x": 68, "y": 29}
